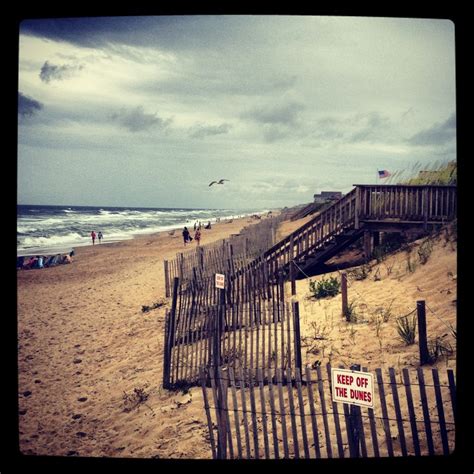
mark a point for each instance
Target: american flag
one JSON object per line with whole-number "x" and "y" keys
{"x": 384, "y": 174}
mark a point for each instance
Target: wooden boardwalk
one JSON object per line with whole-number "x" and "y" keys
{"x": 364, "y": 212}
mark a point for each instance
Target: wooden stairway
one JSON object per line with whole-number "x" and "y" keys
{"x": 367, "y": 208}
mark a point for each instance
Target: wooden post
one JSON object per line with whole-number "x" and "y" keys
{"x": 219, "y": 328}
{"x": 345, "y": 312}
{"x": 357, "y": 208}
{"x": 171, "y": 336}
{"x": 296, "y": 324}
{"x": 167, "y": 279}
{"x": 181, "y": 262}
{"x": 292, "y": 277}
{"x": 376, "y": 237}
{"x": 367, "y": 245}
{"x": 174, "y": 302}
{"x": 354, "y": 423}
{"x": 422, "y": 341}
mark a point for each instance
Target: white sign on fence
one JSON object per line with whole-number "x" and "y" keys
{"x": 220, "y": 280}
{"x": 353, "y": 387}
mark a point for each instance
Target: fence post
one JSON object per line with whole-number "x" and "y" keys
{"x": 367, "y": 245}
{"x": 422, "y": 341}
{"x": 167, "y": 279}
{"x": 292, "y": 278}
{"x": 181, "y": 263}
{"x": 345, "y": 312}
{"x": 354, "y": 424}
{"x": 170, "y": 335}
{"x": 296, "y": 325}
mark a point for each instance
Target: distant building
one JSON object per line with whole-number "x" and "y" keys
{"x": 326, "y": 196}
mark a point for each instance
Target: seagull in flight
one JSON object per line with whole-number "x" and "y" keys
{"x": 221, "y": 181}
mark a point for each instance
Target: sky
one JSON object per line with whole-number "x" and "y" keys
{"x": 147, "y": 111}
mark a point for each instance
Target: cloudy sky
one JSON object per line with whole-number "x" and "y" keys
{"x": 146, "y": 111}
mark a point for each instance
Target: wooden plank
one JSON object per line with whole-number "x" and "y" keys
{"x": 264, "y": 413}
{"x": 167, "y": 278}
{"x": 302, "y": 413}
{"x": 282, "y": 414}
{"x": 373, "y": 428}
{"x": 203, "y": 376}
{"x": 314, "y": 423}
{"x": 439, "y": 405}
{"x": 452, "y": 391}
{"x": 220, "y": 438}
{"x": 324, "y": 412}
{"x": 276, "y": 450}
{"x": 411, "y": 412}
{"x": 297, "y": 335}
{"x": 166, "y": 351}
{"x": 236, "y": 412}
{"x": 225, "y": 419}
{"x": 244, "y": 412}
{"x": 289, "y": 386}
{"x": 253, "y": 412}
{"x": 426, "y": 413}
{"x": 335, "y": 411}
{"x": 398, "y": 413}
{"x": 388, "y": 435}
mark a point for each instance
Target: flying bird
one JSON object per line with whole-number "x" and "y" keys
{"x": 221, "y": 181}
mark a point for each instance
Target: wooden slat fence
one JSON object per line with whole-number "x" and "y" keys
{"x": 293, "y": 415}
{"x": 257, "y": 332}
{"x": 239, "y": 249}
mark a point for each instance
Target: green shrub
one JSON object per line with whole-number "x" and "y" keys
{"x": 406, "y": 328}
{"x": 324, "y": 288}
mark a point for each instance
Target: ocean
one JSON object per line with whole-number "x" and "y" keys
{"x": 58, "y": 229}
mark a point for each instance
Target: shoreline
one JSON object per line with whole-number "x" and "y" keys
{"x": 61, "y": 249}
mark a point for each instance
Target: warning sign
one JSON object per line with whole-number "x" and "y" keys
{"x": 220, "y": 280}
{"x": 353, "y": 387}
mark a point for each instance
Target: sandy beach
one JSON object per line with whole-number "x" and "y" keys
{"x": 90, "y": 361}
{"x": 85, "y": 346}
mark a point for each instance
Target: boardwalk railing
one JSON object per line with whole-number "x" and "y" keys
{"x": 294, "y": 415}
{"x": 361, "y": 208}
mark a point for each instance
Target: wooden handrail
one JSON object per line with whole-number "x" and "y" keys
{"x": 415, "y": 203}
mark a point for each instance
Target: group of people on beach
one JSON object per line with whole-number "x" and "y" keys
{"x": 197, "y": 233}
{"x": 99, "y": 235}
{"x": 42, "y": 261}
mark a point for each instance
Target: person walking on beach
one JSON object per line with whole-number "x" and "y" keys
{"x": 197, "y": 236}
{"x": 99, "y": 236}
{"x": 186, "y": 235}
{"x": 93, "y": 237}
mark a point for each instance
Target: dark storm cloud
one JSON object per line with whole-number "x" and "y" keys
{"x": 201, "y": 131}
{"x": 178, "y": 32}
{"x": 136, "y": 120}
{"x": 438, "y": 134}
{"x": 51, "y": 72}
{"x": 28, "y": 106}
